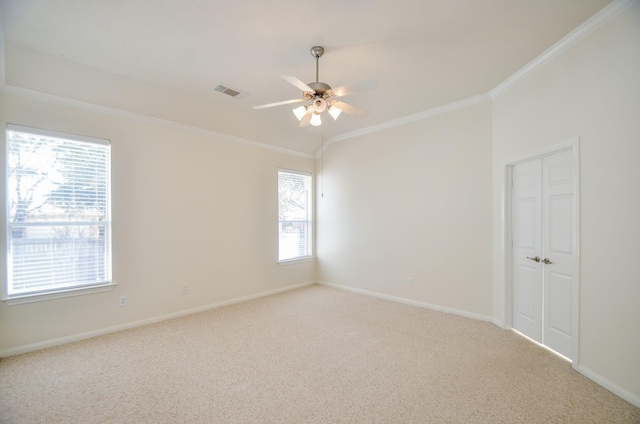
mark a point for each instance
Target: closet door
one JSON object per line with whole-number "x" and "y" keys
{"x": 544, "y": 250}
{"x": 527, "y": 245}
{"x": 559, "y": 250}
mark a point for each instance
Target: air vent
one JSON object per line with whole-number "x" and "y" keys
{"x": 229, "y": 91}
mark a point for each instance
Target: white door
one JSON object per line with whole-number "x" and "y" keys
{"x": 559, "y": 250}
{"x": 527, "y": 248}
{"x": 544, "y": 250}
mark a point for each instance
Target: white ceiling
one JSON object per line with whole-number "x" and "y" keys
{"x": 421, "y": 53}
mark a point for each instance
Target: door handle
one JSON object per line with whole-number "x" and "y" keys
{"x": 546, "y": 261}
{"x": 537, "y": 258}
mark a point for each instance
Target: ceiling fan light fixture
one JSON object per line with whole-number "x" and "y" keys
{"x": 316, "y": 121}
{"x": 321, "y": 97}
{"x": 319, "y": 105}
{"x": 300, "y": 112}
{"x": 334, "y": 111}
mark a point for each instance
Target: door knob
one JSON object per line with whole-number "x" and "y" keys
{"x": 546, "y": 261}
{"x": 537, "y": 258}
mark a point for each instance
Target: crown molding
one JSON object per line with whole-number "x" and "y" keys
{"x": 28, "y": 94}
{"x": 595, "y": 22}
{"x": 592, "y": 24}
{"x": 429, "y": 113}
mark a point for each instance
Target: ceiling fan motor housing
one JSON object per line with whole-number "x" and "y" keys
{"x": 319, "y": 87}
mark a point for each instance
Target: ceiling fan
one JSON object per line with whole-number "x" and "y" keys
{"x": 322, "y": 97}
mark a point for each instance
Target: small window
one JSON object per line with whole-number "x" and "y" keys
{"x": 59, "y": 217}
{"x": 294, "y": 215}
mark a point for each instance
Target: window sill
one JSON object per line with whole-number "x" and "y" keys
{"x": 40, "y": 297}
{"x": 293, "y": 261}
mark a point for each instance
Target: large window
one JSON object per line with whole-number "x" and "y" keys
{"x": 294, "y": 215}
{"x": 58, "y": 221}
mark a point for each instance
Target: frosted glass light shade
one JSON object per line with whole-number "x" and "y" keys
{"x": 316, "y": 121}
{"x": 334, "y": 111}
{"x": 299, "y": 112}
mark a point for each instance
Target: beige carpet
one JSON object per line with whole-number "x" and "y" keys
{"x": 314, "y": 355}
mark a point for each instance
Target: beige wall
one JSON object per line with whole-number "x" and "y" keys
{"x": 412, "y": 201}
{"x": 188, "y": 210}
{"x": 591, "y": 91}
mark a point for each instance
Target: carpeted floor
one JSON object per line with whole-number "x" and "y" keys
{"x": 313, "y": 355}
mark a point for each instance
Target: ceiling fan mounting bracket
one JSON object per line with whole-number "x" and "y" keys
{"x": 317, "y": 51}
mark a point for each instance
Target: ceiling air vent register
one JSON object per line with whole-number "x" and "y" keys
{"x": 229, "y": 91}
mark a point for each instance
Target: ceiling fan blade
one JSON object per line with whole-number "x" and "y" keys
{"x": 350, "y": 110}
{"x": 295, "y": 81}
{"x": 306, "y": 119}
{"x": 357, "y": 87}
{"x": 285, "y": 102}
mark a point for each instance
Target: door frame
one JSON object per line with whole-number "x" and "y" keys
{"x": 507, "y": 240}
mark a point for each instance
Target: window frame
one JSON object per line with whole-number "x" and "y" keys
{"x": 309, "y": 222}
{"x": 60, "y": 292}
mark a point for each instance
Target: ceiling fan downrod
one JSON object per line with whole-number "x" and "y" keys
{"x": 317, "y": 52}
{"x": 318, "y": 87}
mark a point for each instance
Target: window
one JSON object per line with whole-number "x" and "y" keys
{"x": 294, "y": 215}
{"x": 59, "y": 217}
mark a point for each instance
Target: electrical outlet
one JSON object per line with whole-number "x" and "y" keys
{"x": 185, "y": 290}
{"x": 410, "y": 281}
{"x": 274, "y": 274}
{"x": 122, "y": 301}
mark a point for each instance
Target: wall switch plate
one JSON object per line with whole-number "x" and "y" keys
{"x": 185, "y": 290}
{"x": 410, "y": 281}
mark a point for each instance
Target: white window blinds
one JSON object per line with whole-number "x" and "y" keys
{"x": 58, "y": 226}
{"x": 294, "y": 215}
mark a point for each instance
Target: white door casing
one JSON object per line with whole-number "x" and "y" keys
{"x": 544, "y": 227}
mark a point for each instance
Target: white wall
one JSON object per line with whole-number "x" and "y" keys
{"x": 412, "y": 201}
{"x": 188, "y": 210}
{"x": 2, "y": 55}
{"x": 591, "y": 91}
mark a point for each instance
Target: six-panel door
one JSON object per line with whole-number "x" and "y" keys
{"x": 544, "y": 251}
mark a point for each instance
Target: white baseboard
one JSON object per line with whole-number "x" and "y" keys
{"x": 592, "y": 375}
{"x": 609, "y": 385}
{"x": 89, "y": 334}
{"x": 498, "y": 323}
{"x": 465, "y": 314}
